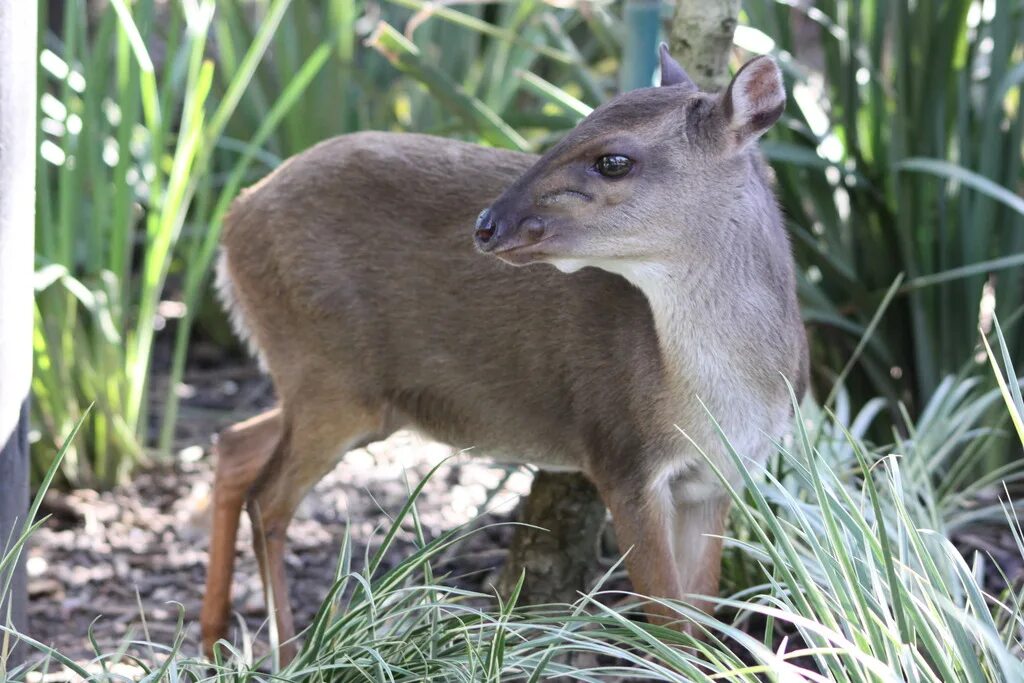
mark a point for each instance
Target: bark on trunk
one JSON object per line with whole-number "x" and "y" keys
{"x": 701, "y": 39}
{"x": 560, "y": 559}
{"x": 17, "y": 199}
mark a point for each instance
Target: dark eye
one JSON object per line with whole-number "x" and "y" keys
{"x": 613, "y": 165}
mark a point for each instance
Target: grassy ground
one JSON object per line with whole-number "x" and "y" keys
{"x": 848, "y": 560}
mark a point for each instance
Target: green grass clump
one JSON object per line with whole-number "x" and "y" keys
{"x": 124, "y": 184}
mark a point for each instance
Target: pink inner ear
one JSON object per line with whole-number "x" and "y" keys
{"x": 756, "y": 90}
{"x": 755, "y": 99}
{"x": 762, "y": 86}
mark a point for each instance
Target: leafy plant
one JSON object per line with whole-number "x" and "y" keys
{"x": 125, "y": 182}
{"x": 857, "y": 542}
{"x": 901, "y": 153}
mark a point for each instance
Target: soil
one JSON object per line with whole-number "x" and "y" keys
{"x": 102, "y": 560}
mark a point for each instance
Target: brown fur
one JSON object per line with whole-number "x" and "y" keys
{"x": 353, "y": 269}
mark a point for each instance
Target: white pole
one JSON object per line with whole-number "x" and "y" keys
{"x": 17, "y": 230}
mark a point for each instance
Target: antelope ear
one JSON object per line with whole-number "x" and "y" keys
{"x": 672, "y": 73}
{"x": 755, "y": 99}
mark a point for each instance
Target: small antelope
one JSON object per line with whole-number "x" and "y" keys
{"x": 352, "y": 272}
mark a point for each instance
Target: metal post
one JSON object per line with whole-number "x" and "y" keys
{"x": 641, "y": 21}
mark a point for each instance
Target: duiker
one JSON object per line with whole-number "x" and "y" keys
{"x": 352, "y": 271}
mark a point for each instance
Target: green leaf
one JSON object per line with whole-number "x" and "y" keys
{"x": 972, "y": 179}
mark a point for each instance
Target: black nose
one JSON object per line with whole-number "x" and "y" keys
{"x": 485, "y": 229}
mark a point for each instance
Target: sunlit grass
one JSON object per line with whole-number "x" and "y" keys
{"x": 124, "y": 183}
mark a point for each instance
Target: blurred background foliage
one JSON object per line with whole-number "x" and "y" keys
{"x": 898, "y": 161}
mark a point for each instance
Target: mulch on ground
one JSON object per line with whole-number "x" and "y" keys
{"x": 101, "y": 559}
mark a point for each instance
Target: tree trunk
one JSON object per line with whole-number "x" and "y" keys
{"x": 701, "y": 39}
{"x": 17, "y": 230}
{"x": 560, "y": 558}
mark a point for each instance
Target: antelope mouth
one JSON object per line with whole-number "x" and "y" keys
{"x": 523, "y": 254}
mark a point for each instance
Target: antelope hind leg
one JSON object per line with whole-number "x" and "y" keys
{"x": 242, "y": 452}
{"x": 314, "y": 440}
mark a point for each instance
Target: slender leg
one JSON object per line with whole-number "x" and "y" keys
{"x": 309, "y": 450}
{"x": 674, "y": 545}
{"x": 643, "y": 526}
{"x": 243, "y": 451}
{"x": 698, "y": 528}
{"x": 269, "y": 546}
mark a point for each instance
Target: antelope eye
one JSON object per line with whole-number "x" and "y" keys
{"x": 613, "y": 165}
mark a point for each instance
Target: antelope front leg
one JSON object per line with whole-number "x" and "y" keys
{"x": 644, "y": 527}
{"x": 698, "y": 527}
{"x": 675, "y": 547}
